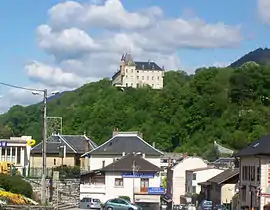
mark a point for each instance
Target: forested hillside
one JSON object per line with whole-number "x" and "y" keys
{"x": 222, "y": 104}
{"x": 260, "y": 56}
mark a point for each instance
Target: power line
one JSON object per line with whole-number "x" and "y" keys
{"x": 19, "y": 87}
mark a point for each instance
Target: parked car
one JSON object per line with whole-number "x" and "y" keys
{"x": 90, "y": 203}
{"x": 120, "y": 204}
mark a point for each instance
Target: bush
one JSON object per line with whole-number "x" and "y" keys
{"x": 68, "y": 172}
{"x": 16, "y": 184}
{"x": 125, "y": 197}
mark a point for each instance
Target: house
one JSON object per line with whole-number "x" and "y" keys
{"x": 176, "y": 178}
{"x": 221, "y": 188}
{"x": 17, "y": 151}
{"x": 119, "y": 145}
{"x": 198, "y": 175}
{"x": 137, "y": 74}
{"x": 73, "y": 146}
{"x": 254, "y": 190}
{"x": 131, "y": 175}
{"x": 224, "y": 162}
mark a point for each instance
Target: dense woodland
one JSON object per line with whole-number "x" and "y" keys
{"x": 230, "y": 106}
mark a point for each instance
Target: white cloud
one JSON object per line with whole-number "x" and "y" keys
{"x": 264, "y": 10}
{"x": 86, "y": 40}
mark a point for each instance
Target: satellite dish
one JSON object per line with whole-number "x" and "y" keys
{"x": 31, "y": 142}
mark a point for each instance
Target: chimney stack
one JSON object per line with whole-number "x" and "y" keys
{"x": 115, "y": 132}
{"x": 154, "y": 144}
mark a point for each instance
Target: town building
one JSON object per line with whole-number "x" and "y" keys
{"x": 131, "y": 176}
{"x": 169, "y": 157}
{"x": 138, "y": 74}
{"x": 254, "y": 185}
{"x": 119, "y": 145}
{"x": 198, "y": 175}
{"x": 176, "y": 178}
{"x": 61, "y": 150}
{"x": 221, "y": 188}
{"x": 17, "y": 151}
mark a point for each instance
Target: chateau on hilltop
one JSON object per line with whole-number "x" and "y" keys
{"x": 138, "y": 74}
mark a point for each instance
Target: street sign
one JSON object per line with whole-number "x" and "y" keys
{"x": 138, "y": 175}
{"x": 3, "y": 143}
{"x": 31, "y": 142}
{"x": 156, "y": 190}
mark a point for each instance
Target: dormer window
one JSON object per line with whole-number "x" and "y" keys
{"x": 153, "y": 67}
{"x": 142, "y": 66}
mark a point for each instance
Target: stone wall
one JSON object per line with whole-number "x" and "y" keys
{"x": 68, "y": 190}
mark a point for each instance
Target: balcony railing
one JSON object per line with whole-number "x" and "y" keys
{"x": 91, "y": 188}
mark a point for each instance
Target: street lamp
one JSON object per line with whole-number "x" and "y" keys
{"x": 44, "y": 135}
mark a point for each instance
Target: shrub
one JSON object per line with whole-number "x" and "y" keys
{"x": 16, "y": 184}
{"x": 68, "y": 172}
{"x": 125, "y": 197}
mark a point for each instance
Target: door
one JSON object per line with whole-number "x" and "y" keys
{"x": 144, "y": 185}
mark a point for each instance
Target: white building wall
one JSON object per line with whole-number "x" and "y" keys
{"x": 179, "y": 175}
{"x": 201, "y": 176}
{"x": 96, "y": 161}
{"x": 265, "y": 187}
{"x": 109, "y": 190}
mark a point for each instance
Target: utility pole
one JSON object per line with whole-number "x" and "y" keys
{"x": 133, "y": 177}
{"x": 44, "y": 149}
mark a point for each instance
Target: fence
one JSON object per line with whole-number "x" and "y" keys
{"x": 68, "y": 172}
{"x": 37, "y": 172}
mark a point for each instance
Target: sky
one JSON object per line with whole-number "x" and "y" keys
{"x": 61, "y": 45}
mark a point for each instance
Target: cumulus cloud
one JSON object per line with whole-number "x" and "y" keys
{"x": 86, "y": 40}
{"x": 264, "y": 10}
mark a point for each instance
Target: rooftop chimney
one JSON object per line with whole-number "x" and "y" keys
{"x": 154, "y": 144}
{"x": 115, "y": 132}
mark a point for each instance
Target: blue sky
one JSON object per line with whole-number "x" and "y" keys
{"x": 19, "y": 39}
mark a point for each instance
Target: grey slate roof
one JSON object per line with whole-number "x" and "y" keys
{"x": 225, "y": 175}
{"x": 128, "y": 144}
{"x": 149, "y": 66}
{"x": 74, "y": 144}
{"x": 126, "y": 162}
{"x": 259, "y": 147}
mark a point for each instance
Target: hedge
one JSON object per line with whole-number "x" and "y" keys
{"x": 16, "y": 184}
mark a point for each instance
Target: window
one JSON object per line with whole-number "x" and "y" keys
{"x": 127, "y": 70}
{"x": 18, "y": 155}
{"x": 120, "y": 201}
{"x": 248, "y": 173}
{"x": 193, "y": 176}
{"x": 258, "y": 174}
{"x": 126, "y": 76}
{"x": 157, "y": 77}
{"x": 142, "y": 77}
{"x": 142, "y": 66}
{"x": 126, "y": 84}
{"x": 137, "y": 71}
{"x": 152, "y": 77}
{"x": 103, "y": 163}
{"x": 147, "y": 77}
{"x": 54, "y": 161}
{"x": 193, "y": 189}
{"x": 118, "y": 182}
{"x": 137, "y": 85}
{"x": 137, "y": 77}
